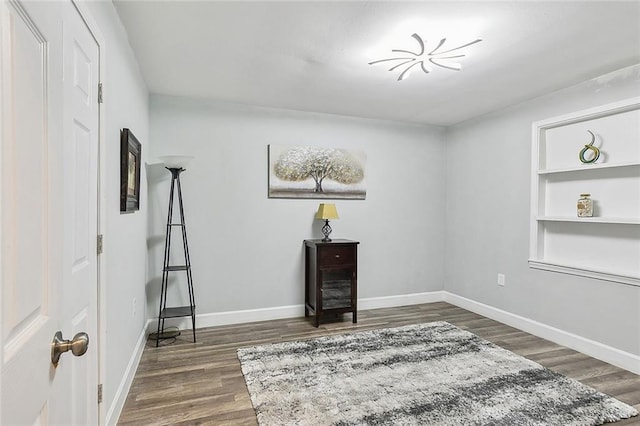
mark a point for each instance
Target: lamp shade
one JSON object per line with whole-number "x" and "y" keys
{"x": 327, "y": 211}
{"x": 175, "y": 161}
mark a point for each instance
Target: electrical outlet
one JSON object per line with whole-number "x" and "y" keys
{"x": 501, "y": 280}
{"x": 133, "y": 310}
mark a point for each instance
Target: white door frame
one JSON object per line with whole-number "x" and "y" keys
{"x": 94, "y": 29}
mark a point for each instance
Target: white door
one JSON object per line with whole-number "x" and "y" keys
{"x": 49, "y": 135}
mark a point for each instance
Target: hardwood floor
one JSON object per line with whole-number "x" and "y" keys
{"x": 183, "y": 383}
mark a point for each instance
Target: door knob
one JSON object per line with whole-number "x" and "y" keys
{"x": 78, "y": 346}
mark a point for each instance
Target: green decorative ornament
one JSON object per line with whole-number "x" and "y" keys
{"x": 590, "y": 147}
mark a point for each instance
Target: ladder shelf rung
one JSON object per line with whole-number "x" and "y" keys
{"x": 177, "y": 268}
{"x": 178, "y": 311}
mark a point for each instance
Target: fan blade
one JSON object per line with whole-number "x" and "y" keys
{"x": 449, "y": 57}
{"x": 389, "y": 59}
{"x": 401, "y": 64}
{"x": 460, "y": 47}
{"x": 402, "y": 75}
{"x": 420, "y": 42}
{"x": 438, "y": 46}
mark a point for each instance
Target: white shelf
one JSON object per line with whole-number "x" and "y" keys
{"x": 588, "y": 167}
{"x": 586, "y": 271}
{"x": 615, "y": 220}
{"x": 605, "y": 247}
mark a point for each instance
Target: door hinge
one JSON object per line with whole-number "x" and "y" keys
{"x": 99, "y": 244}
{"x": 99, "y": 93}
{"x": 100, "y": 393}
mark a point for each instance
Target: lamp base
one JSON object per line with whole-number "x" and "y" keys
{"x": 326, "y": 230}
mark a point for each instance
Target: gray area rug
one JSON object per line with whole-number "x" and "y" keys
{"x": 424, "y": 374}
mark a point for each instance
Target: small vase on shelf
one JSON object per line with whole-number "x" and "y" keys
{"x": 585, "y": 206}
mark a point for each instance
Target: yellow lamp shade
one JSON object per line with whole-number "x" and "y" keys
{"x": 327, "y": 211}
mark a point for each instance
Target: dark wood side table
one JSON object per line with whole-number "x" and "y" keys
{"x": 331, "y": 278}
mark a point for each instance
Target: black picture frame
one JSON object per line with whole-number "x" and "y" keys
{"x": 130, "y": 160}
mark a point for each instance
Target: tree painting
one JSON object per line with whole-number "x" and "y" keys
{"x": 321, "y": 167}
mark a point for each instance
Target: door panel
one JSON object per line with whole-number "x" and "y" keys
{"x": 48, "y": 177}
{"x": 26, "y": 251}
{"x": 25, "y": 239}
{"x": 81, "y": 222}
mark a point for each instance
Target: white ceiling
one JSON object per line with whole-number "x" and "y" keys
{"x": 313, "y": 56}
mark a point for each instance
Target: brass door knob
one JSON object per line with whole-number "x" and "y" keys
{"x": 78, "y": 346}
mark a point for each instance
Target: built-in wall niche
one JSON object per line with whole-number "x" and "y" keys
{"x": 606, "y": 245}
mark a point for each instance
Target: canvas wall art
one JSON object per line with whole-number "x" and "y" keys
{"x": 316, "y": 172}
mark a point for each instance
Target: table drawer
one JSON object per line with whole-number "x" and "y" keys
{"x": 336, "y": 255}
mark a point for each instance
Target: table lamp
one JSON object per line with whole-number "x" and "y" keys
{"x": 326, "y": 212}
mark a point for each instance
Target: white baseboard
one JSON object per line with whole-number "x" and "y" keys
{"x": 120, "y": 397}
{"x": 589, "y": 347}
{"x": 295, "y": 311}
{"x": 400, "y": 300}
{"x": 233, "y": 317}
{"x": 249, "y": 315}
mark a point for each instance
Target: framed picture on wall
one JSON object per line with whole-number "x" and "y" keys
{"x": 130, "y": 160}
{"x": 316, "y": 172}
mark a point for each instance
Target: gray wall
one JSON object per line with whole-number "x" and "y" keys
{"x": 487, "y": 222}
{"x": 246, "y": 249}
